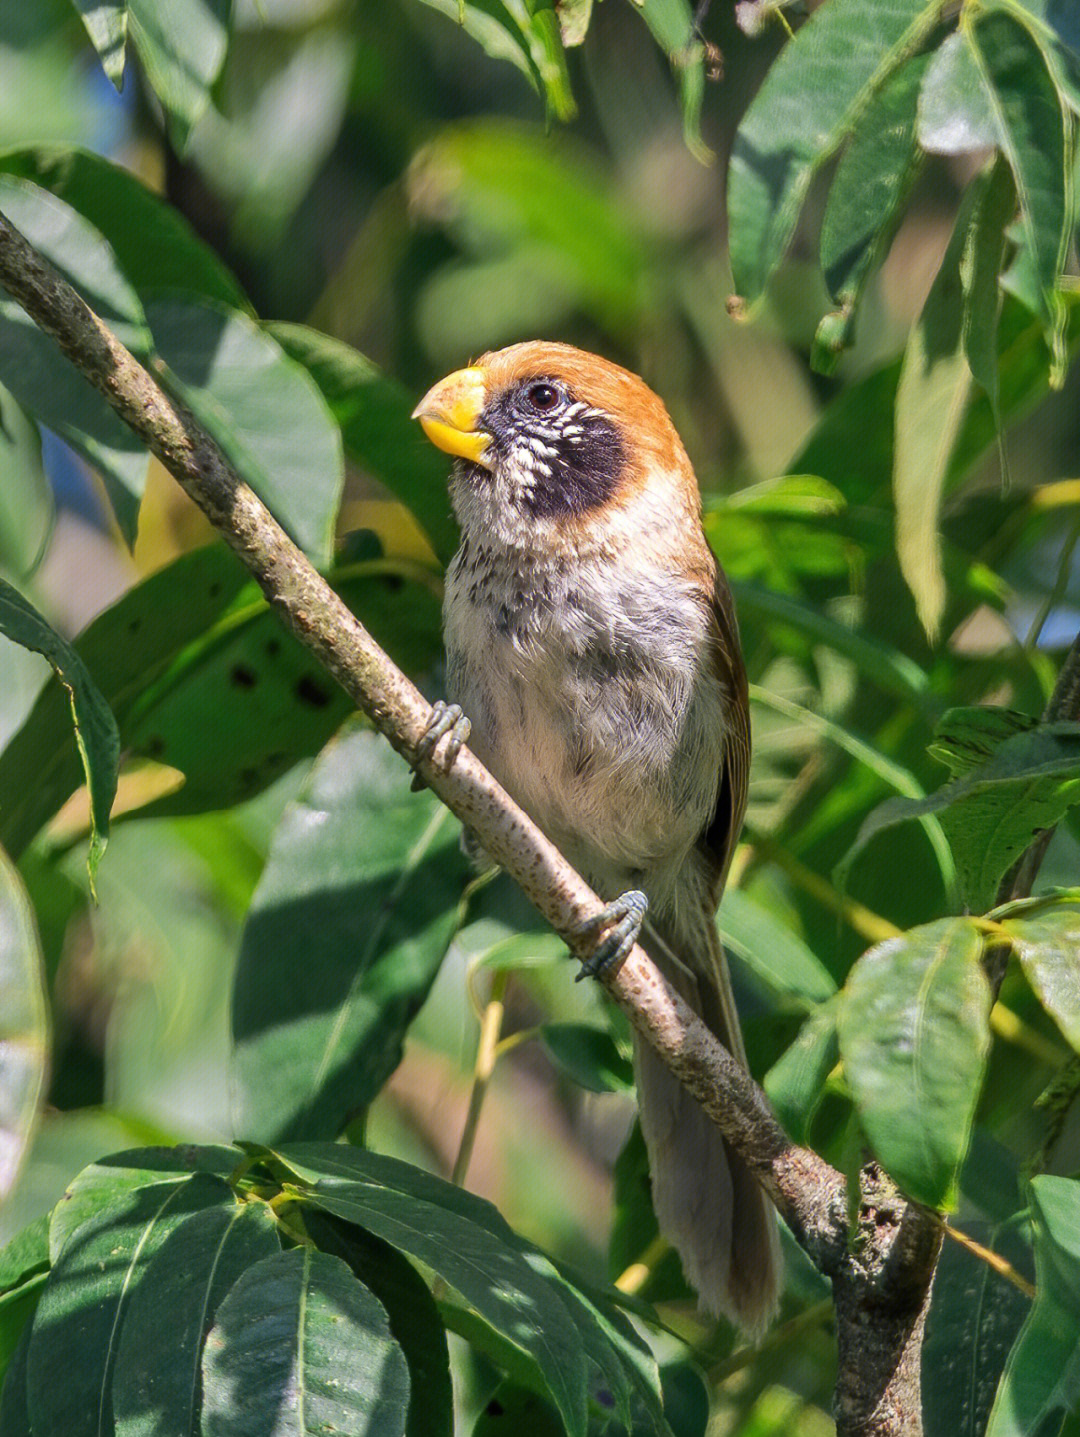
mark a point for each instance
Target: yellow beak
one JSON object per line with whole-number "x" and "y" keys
{"x": 449, "y": 411}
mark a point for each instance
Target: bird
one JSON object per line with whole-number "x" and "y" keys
{"x": 593, "y": 665}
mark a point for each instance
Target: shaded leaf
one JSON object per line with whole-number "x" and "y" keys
{"x": 992, "y": 813}
{"x": 14, "y": 1408}
{"x": 414, "y": 1319}
{"x": 89, "y": 1291}
{"x": 373, "y": 412}
{"x": 914, "y": 1038}
{"x": 356, "y": 906}
{"x": 811, "y": 100}
{"x": 24, "y": 1027}
{"x": 590, "y": 1056}
{"x": 96, "y": 734}
{"x": 154, "y": 245}
{"x": 300, "y": 1347}
{"x": 964, "y": 738}
{"x": 1043, "y": 1372}
{"x": 157, "y": 1384}
{"x": 771, "y": 950}
{"x": 41, "y": 378}
{"x": 1047, "y": 943}
{"x": 26, "y": 502}
{"x": 1055, "y": 28}
{"x": 672, "y": 23}
{"x": 795, "y": 1083}
{"x": 980, "y": 271}
{"x": 261, "y": 407}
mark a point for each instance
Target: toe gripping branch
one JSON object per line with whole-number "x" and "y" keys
{"x": 449, "y": 722}
{"x": 620, "y": 923}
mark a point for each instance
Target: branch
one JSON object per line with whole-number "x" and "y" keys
{"x": 808, "y": 1192}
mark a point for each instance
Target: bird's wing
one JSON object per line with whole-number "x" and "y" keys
{"x": 718, "y": 840}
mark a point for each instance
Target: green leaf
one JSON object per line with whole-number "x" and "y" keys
{"x": 195, "y": 638}
{"x": 956, "y": 110}
{"x": 772, "y": 951}
{"x": 373, "y": 412}
{"x": 811, "y": 102}
{"x": 1043, "y": 1372}
{"x": 673, "y": 28}
{"x": 590, "y": 1056}
{"x": 489, "y": 24}
{"x": 914, "y": 1038}
{"x": 980, "y": 269}
{"x": 992, "y": 813}
{"x": 26, "y": 1255}
{"x": 41, "y": 378}
{"x": 795, "y": 1083}
{"x": 931, "y": 397}
{"x": 300, "y": 1347}
{"x": 358, "y": 902}
{"x": 154, "y": 245}
{"x": 106, "y": 24}
{"x": 26, "y": 502}
{"x": 17, "y": 1309}
{"x": 964, "y": 738}
{"x": 157, "y": 1385}
{"x": 1054, "y": 27}
{"x": 95, "y": 728}
{"x": 89, "y": 1291}
{"x": 262, "y": 408}
{"x": 24, "y": 1025}
{"x": 466, "y": 1243}
{"x": 14, "y": 1411}
{"x": 873, "y": 177}
{"x": 1032, "y": 137}
{"x": 413, "y": 1316}
{"x": 1047, "y": 943}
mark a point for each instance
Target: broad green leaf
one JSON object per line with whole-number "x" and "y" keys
{"x": 884, "y": 665}
{"x": 466, "y": 1243}
{"x": 14, "y": 1409}
{"x": 262, "y": 408}
{"x": 17, "y": 1309}
{"x": 373, "y": 412}
{"x": 1055, "y": 26}
{"x": 673, "y": 26}
{"x": 26, "y": 502}
{"x": 1032, "y": 137}
{"x": 980, "y": 270}
{"x": 157, "y": 1384}
{"x": 813, "y": 98}
{"x": 300, "y": 1347}
{"x": 414, "y": 1319}
{"x": 1047, "y": 943}
{"x": 26, "y": 1255}
{"x": 956, "y": 110}
{"x": 358, "y": 902}
{"x": 95, "y": 728}
{"x": 490, "y": 25}
{"x": 795, "y": 1083}
{"x": 512, "y": 1409}
{"x": 873, "y": 177}
{"x": 588, "y": 1055}
{"x": 41, "y": 378}
{"x": 914, "y": 1038}
{"x": 106, "y": 24}
{"x": 154, "y": 245}
{"x": 24, "y": 1025}
{"x": 964, "y": 738}
{"x": 89, "y": 1291}
{"x": 772, "y": 951}
{"x": 1043, "y": 1372}
{"x": 195, "y": 638}
{"x": 992, "y": 813}
{"x": 114, "y": 1179}
{"x": 930, "y": 401}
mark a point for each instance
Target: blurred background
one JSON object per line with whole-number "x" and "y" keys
{"x": 367, "y": 169}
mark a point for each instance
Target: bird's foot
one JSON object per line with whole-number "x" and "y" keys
{"x": 449, "y": 722}
{"x": 620, "y": 923}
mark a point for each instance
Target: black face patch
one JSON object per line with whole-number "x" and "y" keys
{"x": 572, "y": 452}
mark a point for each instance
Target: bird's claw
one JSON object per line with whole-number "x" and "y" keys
{"x": 449, "y": 722}
{"x": 620, "y": 923}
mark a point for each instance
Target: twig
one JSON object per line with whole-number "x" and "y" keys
{"x": 1001, "y": 1265}
{"x": 487, "y": 1053}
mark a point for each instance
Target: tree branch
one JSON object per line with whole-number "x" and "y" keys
{"x": 808, "y": 1192}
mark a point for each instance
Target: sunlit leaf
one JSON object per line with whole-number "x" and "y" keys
{"x": 812, "y": 99}
{"x": 1047, "y": 943}
{"x": 106, "y": 24}
{"x": 914, "y": 1038}
{"x": 95, "y": 727}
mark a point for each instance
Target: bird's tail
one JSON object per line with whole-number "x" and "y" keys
{"x": 707, "y": 1203}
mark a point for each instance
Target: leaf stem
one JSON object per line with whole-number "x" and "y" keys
{"x": 1001, "y": 1265}
{"x": 487, "y": 1052}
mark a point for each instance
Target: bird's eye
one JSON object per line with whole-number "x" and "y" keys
{"x": 543, "y": 397}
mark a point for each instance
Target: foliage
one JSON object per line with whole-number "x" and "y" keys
{"x": 279, "y": 971}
